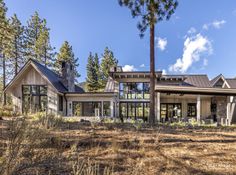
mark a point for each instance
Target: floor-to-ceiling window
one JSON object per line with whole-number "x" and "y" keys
{"x": 134, "y": 91}
{"x": 88, "y": 109}
{"x": 34, "y": 98}
{"x": 134, "y": 110}
{"x": 170, "y": 111}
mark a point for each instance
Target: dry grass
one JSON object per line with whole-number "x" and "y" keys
{"x": 80, "y": 148}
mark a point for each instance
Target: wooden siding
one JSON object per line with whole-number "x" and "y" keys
{"x": 32, "y": 77}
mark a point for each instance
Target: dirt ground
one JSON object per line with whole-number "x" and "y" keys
{"x": 128, "y": 149}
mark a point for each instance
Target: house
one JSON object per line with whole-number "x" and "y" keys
{"x": 178, "y": 97}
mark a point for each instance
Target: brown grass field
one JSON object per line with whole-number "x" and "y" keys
{"x": 116, "y": 149}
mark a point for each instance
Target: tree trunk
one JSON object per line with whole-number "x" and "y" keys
{"x": 152, "y": 75}
{"x": 4, "y": 79}
{"x": 16, "y": 58}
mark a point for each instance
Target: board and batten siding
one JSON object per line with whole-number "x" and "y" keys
{"x": 32, "y": 77}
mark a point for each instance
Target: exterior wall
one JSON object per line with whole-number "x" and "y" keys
{"x": 71, "y": 99}
{"x": 32, "y": 77}
{"x": 184, "y": 100}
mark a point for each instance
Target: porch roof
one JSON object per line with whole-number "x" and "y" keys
{"x": 195, "y": 90}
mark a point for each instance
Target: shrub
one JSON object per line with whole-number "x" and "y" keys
{"x": 81, "y": 167}
{"x": 47, "y": 120}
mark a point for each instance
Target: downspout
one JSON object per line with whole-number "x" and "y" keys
{"x": 64, "y": 95}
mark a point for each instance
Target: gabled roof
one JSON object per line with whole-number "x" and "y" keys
{"x": 201, "y": 81}
{"x": 189, "y": 80}
{"x": 50, "y": 75}
{"x": 231, "y": 82}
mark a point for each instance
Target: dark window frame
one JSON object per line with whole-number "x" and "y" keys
{"x": 60, "y": 103}
{"x": 144, "y": 105}
{"x": 30, "y": 95}
{"x": 191, "y": 108}
{"x": 129, "y": 93}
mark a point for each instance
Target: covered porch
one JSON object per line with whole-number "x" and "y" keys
{"x": 211, "y": 105}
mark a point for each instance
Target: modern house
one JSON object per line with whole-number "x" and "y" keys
{"x": 178, "y": 97}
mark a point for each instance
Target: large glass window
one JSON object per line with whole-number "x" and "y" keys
{"x": 86, "y": 108}
{"x": 106, "y": 108}
{"x": 34, "y": 98}
{"x": 134, "y": 90}
{"x": 170, "y": 111}
{"x": 192, "y": 110}
{"x": 134, "y": 110}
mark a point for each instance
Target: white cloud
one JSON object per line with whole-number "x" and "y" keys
{"x": 142, "y": 65}
{"x": 161, "y": 43}
{"x": 217, "y": 24}
{"x": 164, "y": 72}
{"x": 128, "y": 68}
{"x": 192, "y": 30}
{"x": 194, "y": 48}
{"x": 205, "y": 62}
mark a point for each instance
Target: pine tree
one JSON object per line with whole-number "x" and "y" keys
{"x": 5, "y": 33}
{"x": 66, "y": 54}
{"x": 43, "y": 48}
{"x": 150, "y": 12}
{"x": 108, "y": 61}
{"x": 16, "y": 46}
{"x": 93, "y": 73}
{"x": 32, "y": 31}
{"x": 37, "y": 41}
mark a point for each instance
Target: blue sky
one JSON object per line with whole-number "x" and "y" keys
{"x": 199, "y": 38}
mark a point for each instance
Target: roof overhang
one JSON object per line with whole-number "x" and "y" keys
{"x": 21, "y": 72}
{"x": 135, "y": 74}
{"x": 91, "y": 94}
{"x": 195, "y": 90}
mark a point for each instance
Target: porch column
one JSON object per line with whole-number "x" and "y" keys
{"x": 228, "y": 110}
{"x": 112, "y": 108}
{"x": 198, "y": 108}
{"x": 158, "y": 106}
{"x": 102, "y": 109}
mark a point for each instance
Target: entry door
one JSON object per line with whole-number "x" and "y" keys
{"x": 169, "y": 111}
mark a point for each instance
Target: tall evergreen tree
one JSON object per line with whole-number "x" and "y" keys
{"x": 66, "y": 54}
{"x": 43, "y": 48}
{"x": 16, "y": 47}
{"x": 5, "y": 34}
{"x": 37, "y": 41}
{"x": 93, "y": 73}
{"x": 108, "y": 61}
{"x": 150, "y": 12}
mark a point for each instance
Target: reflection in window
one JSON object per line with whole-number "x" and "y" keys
{"x": 134, "y": 91}
{"x": 86, "y": 109}
{"x": 106, "y": 108}
{"x": 192, "y": 110}
{"x": 34, "y": 98}
{"x": 134, "y": 110}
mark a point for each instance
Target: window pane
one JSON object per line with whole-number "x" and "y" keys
{"x": 106, "y": 108}
{"x": 139, "y": 110}
{"x": 123, "y": 109}
{"x": 35, "y": 89}
{"x": 131, "y": 110}
{"x": 146, "y": 111}
{"x": 44, "y": 102}
{"x": 43, "y": 90}
{"x": 26, "y": 89}
{"x": 77, "y": 109}
{"x": 146, "y": 89}
{"x": 139, "y": 90}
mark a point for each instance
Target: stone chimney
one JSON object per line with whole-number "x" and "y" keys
{"x": 68, "y": 75}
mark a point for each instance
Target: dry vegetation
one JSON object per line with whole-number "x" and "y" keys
{"x": 90, "y": 149}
